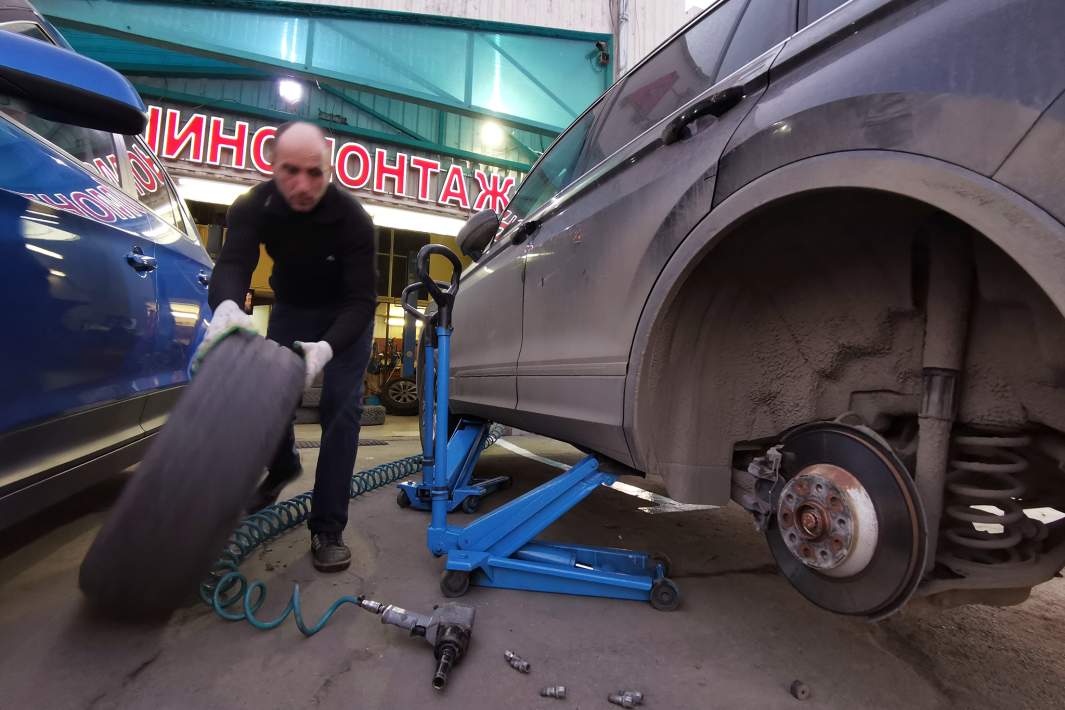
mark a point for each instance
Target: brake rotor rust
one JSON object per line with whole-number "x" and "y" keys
{"x": 866, "y": 518}
{"x": 827, "y": 520}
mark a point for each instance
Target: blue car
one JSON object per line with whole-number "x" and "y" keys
{"x": 102, "y": 276}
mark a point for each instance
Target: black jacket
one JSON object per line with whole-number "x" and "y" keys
{"x": 325, "y": 258}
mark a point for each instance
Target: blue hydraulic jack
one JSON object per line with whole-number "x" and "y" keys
{"x": 498, "y": 549}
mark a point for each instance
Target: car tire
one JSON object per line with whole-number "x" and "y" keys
{"x": 173, "y": 518}
{"x": 400, "y": 396}
{"x": 372, "y": 415}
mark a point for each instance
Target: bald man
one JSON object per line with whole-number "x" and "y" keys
{"x": 324, "y": 280}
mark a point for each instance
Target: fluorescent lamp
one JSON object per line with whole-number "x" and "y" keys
{"x": 396, "y": 218}
{"x": 216, "y": 192}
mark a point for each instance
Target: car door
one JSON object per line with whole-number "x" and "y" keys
{"x": 77, "y": 275}
{"x": 603, "y": 242}
{"x": 488, "y": 314}
{"x": 182, "y": 278}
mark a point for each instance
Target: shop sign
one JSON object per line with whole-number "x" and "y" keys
{"x": 206, "y": 139}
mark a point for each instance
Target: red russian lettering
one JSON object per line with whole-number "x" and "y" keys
{"x": 143, "y": 175}
{"x": 258, "y": 149}
{"x": 359, "y": 179}
{"x": 236, "y": 143}
{"x": 61, "y": 202}
{"x": 151, "y": 131}
{"x": 397, "y": 173}
{"x": 493, "y": 192}
{"x": 191, "y": 135}
{"x": 425, "y": 167}
{"x": 93, "y": 207}
{"x": 454, "y": 189}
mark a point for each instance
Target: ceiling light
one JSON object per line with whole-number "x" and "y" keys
{"x": 290, "y": 90}
{"x": 492, "y": 133}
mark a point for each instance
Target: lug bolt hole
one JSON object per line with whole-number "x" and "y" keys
{"x": 793, "y": 537}
{"x": 820, "y": 488}
{"x": 842, "y": 523}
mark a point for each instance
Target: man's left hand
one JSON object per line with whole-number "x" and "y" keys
{"x": 315, "y": 357}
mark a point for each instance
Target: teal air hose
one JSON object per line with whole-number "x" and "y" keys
{"x": 228, "y": 591}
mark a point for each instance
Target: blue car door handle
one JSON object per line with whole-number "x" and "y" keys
{"x": 204, "y": 278}
{"x": 140, "y": 262}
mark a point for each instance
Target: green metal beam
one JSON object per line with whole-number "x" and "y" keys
{"x": 196, "y": 102}
{"x": 277, "y": 66}
{"x": 337, "y": 11}
{"x": 374, "y": 113}
{"x": 531, "y": 77}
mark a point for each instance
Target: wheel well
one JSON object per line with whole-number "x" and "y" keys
{"x": 813, "y": 306}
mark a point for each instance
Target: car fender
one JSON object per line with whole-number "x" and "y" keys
{"x": 1025, "y": 232}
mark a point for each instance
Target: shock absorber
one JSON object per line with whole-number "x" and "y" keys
{"x": 984, "y": 524}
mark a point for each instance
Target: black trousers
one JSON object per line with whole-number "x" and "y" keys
{"x": 340, "y": 410}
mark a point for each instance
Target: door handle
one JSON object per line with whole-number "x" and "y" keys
{"x": 525, "y": 230}
{"x": 140, "y": 262}
{"x": 204, "y": 278}
{"x": 714, "y": 105}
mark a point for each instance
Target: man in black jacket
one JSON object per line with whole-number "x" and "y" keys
{"x": 324, "y": 279}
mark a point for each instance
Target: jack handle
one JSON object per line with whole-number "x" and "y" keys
{"x": 443, "y": 294}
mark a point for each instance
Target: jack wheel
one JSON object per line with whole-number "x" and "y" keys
{"x": 403, "y": 500}
{"x": 470, "y": 504}
{"x": 664, "y": 595}
{"x": 659, "y": 558}
{"x": 454, "y": 583}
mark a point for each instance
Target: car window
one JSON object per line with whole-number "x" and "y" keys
{"x": 764, "y": 24}
{"x": 153, "y": 189}
{"x": 27, "y": 29}
{"x": 96, "y": 149}
{"x": 556, "y": 170}
{"x": 816, "y": 9}
{"x": 672, "y": 77}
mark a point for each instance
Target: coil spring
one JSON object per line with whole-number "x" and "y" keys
{"x": 984, "y": 472}
{"x": 224, "y": 585}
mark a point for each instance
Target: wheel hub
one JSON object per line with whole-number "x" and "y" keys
{"x": 828, "y": 521}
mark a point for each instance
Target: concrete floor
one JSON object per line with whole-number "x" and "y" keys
{"x": 739, "y": 640}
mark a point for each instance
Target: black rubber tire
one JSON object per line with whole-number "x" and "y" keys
{"x": 471, "y": 504}
{"x": 454, "y": 583}
{"x": 372, "y": 415}
{"x": 402, "y": 499}
{"x": 173, "y": 519}
{"x": 400, "y": 396}
{"x": 664, "y": 595}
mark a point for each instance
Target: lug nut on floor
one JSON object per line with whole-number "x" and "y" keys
{"x": 626, "y": 698}
{"x": 516, "y": 662}
{"x": 799, "y": 690}
{"x": 554, "y": 691}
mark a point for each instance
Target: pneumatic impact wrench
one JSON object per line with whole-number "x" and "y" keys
{"x": 448, "y": 630}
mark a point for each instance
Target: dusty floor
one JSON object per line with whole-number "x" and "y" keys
{"x": 740, "y": 638}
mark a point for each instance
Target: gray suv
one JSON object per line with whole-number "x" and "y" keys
{"x": 808, "y": 256}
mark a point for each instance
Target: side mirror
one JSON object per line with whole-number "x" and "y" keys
{"x": 66, "y": 87}
{"x": 477, "y": 233}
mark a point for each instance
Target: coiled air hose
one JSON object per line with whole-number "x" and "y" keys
{"x": 229, "y": 593}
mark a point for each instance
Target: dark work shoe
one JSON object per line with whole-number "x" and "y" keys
{"x": 268, "y": 491}
{"x": 329, "y": 553}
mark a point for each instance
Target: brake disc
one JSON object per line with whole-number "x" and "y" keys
{"x": 849, "y": 530}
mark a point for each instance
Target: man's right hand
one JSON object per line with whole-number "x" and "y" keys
{"x": 227, "y": 318}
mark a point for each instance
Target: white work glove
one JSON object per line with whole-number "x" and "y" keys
{"x": 228, "y": 318}
{"x": 315, "y": 357}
